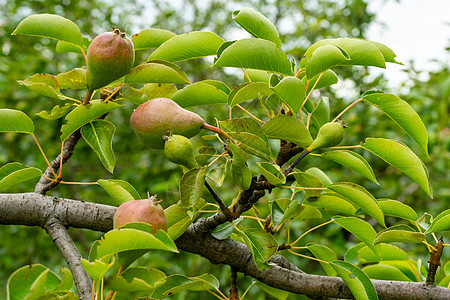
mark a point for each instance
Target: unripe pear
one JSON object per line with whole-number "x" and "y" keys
{"x": 155, "y": 118}
{"x": 109, "y": 57}
{"x": 329, "y": 135}
{"x": 179, "y": 150}
{"x": 145, "y": 210}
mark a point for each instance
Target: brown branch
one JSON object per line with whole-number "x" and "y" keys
{"x": 29, "y": 209}
{"x": 234, "y": 289}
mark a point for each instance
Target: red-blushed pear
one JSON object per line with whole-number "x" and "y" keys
{"x": 155, "y": 118}
{"x": 109, "y": 57}
{"x": 145, "y": 210}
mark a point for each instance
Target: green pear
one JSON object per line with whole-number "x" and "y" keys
{"x": 155, "y": 118}
{"x": 109, "y": 57}
{"x": 179, "y": 150}
{"x": 329, "y": 135}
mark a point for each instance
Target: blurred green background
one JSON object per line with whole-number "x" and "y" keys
{"x": 148, "y": 171}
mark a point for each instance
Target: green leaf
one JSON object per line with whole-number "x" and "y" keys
{"x": 320, "y": 174}
{"x": 385, "y": 272}
{"x": 83, "y": 114}
{"x": 149, "y": 91}
{"x": 74, "y": 79}
{"x": 276, "y": 212}
{"x": 272, "y": 173}
{"x": 358, "y": 195}
{"x": 66, "y": 281}
{"x": 323, "y": 253}
{"x": 357, "y": 281}
{"x": 201, "y": 93}
{"x": 23, "y": 280}
{"x": 178, "y": 219}
{"x": 325, "y": 57}
{"x": 178, "y": 283}
{"x": 382, "y": 252}
{"x": 292, "y": 91}
{"x": 333, "y": 202}
{"x": 351, "y": 255}
{"x": 135, "y": 279}
{"x": 321, "y": 113}
{"x": 151, "y": 38}
{"x": 402, "y": 114}
{"x": 351, "y": 160}
{"x": 126, "y": 239}
{"x": 56, "y": 112}
{"x": 262, "y": 245}
{"x": 400, "y": 236}
{"x": 307, "y": 180}
{"x": 156, "y": 71}
{"x": 253, "y": 53}
{"x": 401, "y": 157}
{"x": 97, "y": 269}
{"x": 303, "y": 212}
{"x": 224, "y": 230}
{"x": 397, "y": 209}
{"x": 191, "y": 186}
{"x": 360, "y": 52}
{"x": 359, "y": 228}
{"x": 14, "y": 173}
{"x": 256, "y": 24}
{"x": 440, "y": 223}
{"x": 52, "y": 27}
{"x": 64, "y": 47}
{"x": 388, "y": 54}
{"x": 248, "y": 91}
{"x": 188, "y": 46}
{"x": 276, "y": 293}
{"x": 12, "y": 120}
{"x": 257, "y": 76}
{"x": 119, "y": 190}
{"x": 288, "y": 128}
{"x": 319, "y": 81}
{"x": 99, "y": 135}
{"x": 44, "y": 84}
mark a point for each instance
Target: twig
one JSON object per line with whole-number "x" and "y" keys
{"x": 234, "y": 290}
{"x": 219, "y": 201}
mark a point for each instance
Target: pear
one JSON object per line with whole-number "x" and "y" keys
{"x": 155, "y": 118}
{"x": 329, "y": 135}
{"x": 109, "y": 57}
{"x": 145, "y": 210}
{"x": 179, "y": 150}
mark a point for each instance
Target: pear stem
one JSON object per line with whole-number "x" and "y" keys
{"x": 87, "y": 99}
{"x": 218, "y": 131}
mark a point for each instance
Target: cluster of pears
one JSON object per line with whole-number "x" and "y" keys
{"x": 109, "y": 57}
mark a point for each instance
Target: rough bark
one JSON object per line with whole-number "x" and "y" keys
{"x": 36, "y": 210}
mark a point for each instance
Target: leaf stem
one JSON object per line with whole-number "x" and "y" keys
{"x": 299, "y": 71}
{"x": 345, "y": 110}
{"x": 303, "y": 188}
{"x": 250, "y": 114}
{"x": 218, "y": 131}
{"x": 81, "y": 183}
{"x": 84, "y": 54}
{"x": 246, "y": 291}
{"x": 43, "y": 154}
{"x": 61, "y": 161}
{"x": 246, "y": 75}
{"x": 345, "y": 147}
{"x": 116, "y": 90}
{"x": 305, "y": 256}
{"x": 308, "y": 231}
{"x": 310, "y": 92}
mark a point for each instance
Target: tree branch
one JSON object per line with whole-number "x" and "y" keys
{"x": 30, "y": 209}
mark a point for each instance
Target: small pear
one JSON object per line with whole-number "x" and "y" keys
{"x": 329, "y": 135}
{"x": 109, "y": 57}
{"x": 179, "y": 150}
{"x": 155, "y": 118}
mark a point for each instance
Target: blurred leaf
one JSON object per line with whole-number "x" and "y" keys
{"x": 188, "y": 46}
{"x": 402, "y": 114}
{"x": 357, "y": 281}
{"x": 358, "y": 195}
{"x": 150, "y": 38}
{"x": 256, "y": 24}
{"x": 397, "y": 209}
{"x": 402, "y": 158}
{"x": 200, "y": 93}
{"x": 440, "y": 223}
{"x": 248, "y": 91}
{"x": 98, "y": 268}
{"x": 178, "y": 283}
{"x": 191, "y": 186}
{"x": 52, "y": 27}
{"x": 14, "y": 173}
{"x": 288, "y": 128}
{"x": 119, "y": 190}
{"x": 99, "y": 135}
{"x": 12, "y": 120}
{"x": 83, "y": 114}
{"x": 56, "y": 112}
{"x": 352, "y": 160}
{"x": 156, "y": 71}
{"x": 253, "y": 53}
{"x": 276, "y": 293}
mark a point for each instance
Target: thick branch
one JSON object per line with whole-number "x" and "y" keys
{"x": 29, "y": 209}
{"x": 56, "y": 230}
